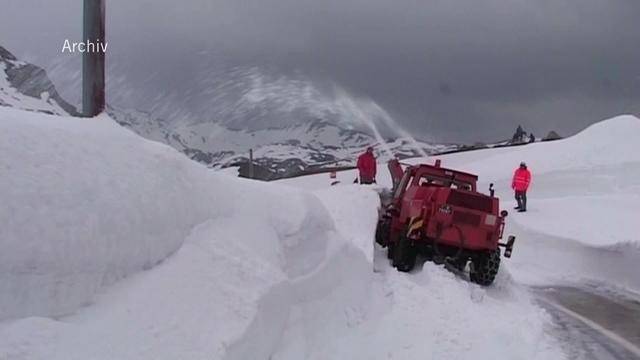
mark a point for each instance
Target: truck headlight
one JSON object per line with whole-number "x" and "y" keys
{"x": 490, "y": 220}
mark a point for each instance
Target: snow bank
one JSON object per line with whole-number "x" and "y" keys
{"x": 601, "y": 220}
{"x": 86, "y": 202}
{"x": 227, "y": 290}
{"x": 612, "y": 141}
{"x": 584, "y": 188}
{"x": 354, "y": 209}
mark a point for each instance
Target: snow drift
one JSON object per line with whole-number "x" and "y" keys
{"x": 86, "y": 202}
{"x": 83, "y": 207}
{"x": 585, "y": 188}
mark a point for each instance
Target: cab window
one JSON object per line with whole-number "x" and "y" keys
{"x": 430, "y": 180}
{"x": 403, "y": 184}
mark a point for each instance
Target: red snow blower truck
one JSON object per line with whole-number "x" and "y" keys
{"x": 439, "y": 213}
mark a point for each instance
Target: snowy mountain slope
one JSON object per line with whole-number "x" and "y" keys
{"x": 282, "y": 152}
{"x": 316, "y": 134}
{"x": 216, "y": 144}
{"x": 583, "y": 203}
{"x": 236, "y": 269}
{"x": 26, "y": 86}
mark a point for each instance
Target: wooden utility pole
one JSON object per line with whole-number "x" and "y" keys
{"x": 93, "y": 84}
{"x": 250, "y": 163}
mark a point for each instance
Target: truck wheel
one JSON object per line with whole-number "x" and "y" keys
{"x": 382, "y": 232}
{"x": 404, "y": 255}
{"x": 485, "y": 267}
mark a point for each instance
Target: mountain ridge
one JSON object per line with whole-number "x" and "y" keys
{"x": 22, "y": 78}
{"x": 283, "y": 151}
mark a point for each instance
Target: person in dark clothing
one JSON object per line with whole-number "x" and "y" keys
{"x": 367, "y": 167}
{"x": 520, "y": 184}
{"x": 396, "y": 172}
{"x": 519, "y": 135}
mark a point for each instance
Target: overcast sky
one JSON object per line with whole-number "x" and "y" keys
{"x": 449, "y": 70}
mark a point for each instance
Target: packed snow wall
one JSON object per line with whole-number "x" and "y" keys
{"x": 86, "y": 202}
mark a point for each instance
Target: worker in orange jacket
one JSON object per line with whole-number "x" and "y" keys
{"x": 520, "y": 184}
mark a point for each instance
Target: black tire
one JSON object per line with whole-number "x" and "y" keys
{"x": 382, "y": 232}
{"x": 461, "y": 264}
{"x": 485, "y": 267}
{"x": 404, "y": 255}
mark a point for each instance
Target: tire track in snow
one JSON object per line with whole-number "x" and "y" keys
{"x": 287, "y": 303}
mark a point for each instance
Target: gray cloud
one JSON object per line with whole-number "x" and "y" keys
{"x": 446, "y": 69}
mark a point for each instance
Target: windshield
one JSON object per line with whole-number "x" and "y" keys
{"x": 403, "y": 184}
{"x": 430, "y": 180}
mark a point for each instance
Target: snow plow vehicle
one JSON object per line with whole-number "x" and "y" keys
{"x": 439, "y": 213}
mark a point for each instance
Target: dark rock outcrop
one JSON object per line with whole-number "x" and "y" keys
{"x": 552, "y": 136}
{"x": 31, "y": 80}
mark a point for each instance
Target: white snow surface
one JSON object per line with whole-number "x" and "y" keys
{"x": 115, "y": 247}
{"x": 83, "y": 208}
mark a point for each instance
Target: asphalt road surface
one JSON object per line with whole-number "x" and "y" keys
{"x": 593, "y": 324}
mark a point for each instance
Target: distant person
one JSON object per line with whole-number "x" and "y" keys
{"x": 532, "y": 138}
{"x": 520, "y": 184}
{"x": 519, "y": 135}
{"x": 396, "y": 172}
{"x": 367, "y": 167}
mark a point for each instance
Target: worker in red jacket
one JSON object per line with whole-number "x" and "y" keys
{"x": 367, "y": 167}
{"x": 520, "y": 184}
